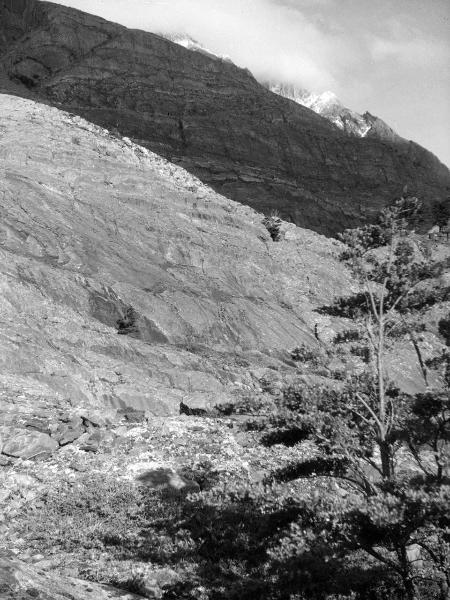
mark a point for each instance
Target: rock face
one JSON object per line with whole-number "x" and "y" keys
{"x": 99, "y": 237}
{"x": 20, "y": 580}
{"x": 214, "y": 118}
{"x": 29, "y": 445}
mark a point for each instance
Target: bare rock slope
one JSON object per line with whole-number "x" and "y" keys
{"x": 20, "y": 580}
{"x": 214, "y": 118}
{"x": 126, "y": 282}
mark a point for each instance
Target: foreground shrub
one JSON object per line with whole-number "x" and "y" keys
{"x": 348, "y": 335}
{"x": 306, "y": 354}
{"x": 444, "y": 329}
{"x": 273, "y": 225}
{"x": 247, "y": 405}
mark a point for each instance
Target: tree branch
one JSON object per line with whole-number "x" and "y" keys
{"x": 377, "y": 420}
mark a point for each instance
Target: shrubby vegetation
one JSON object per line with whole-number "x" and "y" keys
{"x": 444, "y": 329}
{"x": 386, "y": 524}
{"x": 329, "y": 526}
{"x": 348, "y": 335}
{"x": 273, "y": 225}
{"x": 314, "y": 356}
{"x": 360, "y": 514}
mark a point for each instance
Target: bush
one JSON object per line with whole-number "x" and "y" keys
{"x": 444, "y": 329}
{"x": 249, "y": 405}
{"x": 348, "y": 335}
{"x": 273, "y": 225}
{"x": 277, "y": 540}
{"x": 351, "y": 307}
{"x": 127, "y": 324}
{"x": 305, "y": 354}
{"x": 424, "y": 298}
{"x": 102, "y": 526}
{"x": 362, "y": 351}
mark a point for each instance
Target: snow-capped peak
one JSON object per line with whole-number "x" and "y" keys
{"x": 320, "y": 102}
{"x": 329, "y": 106}
{"x": 190, "y": 44}
{"x": 326, "y": 104}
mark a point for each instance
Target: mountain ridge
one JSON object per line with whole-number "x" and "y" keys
{"x": 329, "y": 106}
{"x": 213, "y": 118}
{"x": 325, "y": 103}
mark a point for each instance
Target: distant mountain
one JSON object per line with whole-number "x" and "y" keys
{"x": 326, "y": 104}
{"x": 329, "y": 106}
{"x": 212, "y": 117}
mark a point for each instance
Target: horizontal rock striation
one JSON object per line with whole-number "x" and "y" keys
{"x": 125, "y": 281}
{"x": 210, "y": 116}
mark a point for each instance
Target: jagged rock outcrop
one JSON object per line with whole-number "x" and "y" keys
{"x": 211, "y": 116}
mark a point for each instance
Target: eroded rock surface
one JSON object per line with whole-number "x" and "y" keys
{"x": 29, "y": 444}
{"x": 96, "y": 231}
{"x": 216, "y": 119}
{"x": 21, "y": 580}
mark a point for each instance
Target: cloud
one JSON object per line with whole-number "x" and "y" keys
{"x": 414, "y": 52}
{"x": 376, "y": 56}
{"x": 409, "y": 46}
{"x": 272, "y": 39}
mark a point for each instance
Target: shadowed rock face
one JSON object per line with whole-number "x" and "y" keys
{"x": 212, "y": 117}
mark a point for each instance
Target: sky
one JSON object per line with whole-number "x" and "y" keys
{"x": 390, "y": 57}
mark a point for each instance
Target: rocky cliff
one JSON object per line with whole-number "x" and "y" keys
{"x": 212, "y": 117}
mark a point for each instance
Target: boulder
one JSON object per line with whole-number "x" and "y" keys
{"x": 132, "y": 415}
{"x": 98, "y": 418}
{"x": 38, "y": 424}
{"x": 66, "y": 434}
{"x": 29, "y": 444}
{"x": 4, "y": 460}
{"x": 92, "y": 442}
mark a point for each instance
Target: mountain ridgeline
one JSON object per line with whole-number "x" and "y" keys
{"x": 211, "y": 117}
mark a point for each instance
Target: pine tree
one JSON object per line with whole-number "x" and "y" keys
{"x": 386, "y": 524}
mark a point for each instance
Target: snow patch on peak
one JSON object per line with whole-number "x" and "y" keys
{"x": 365, "y": 130}
{"x": 320, "y": 102}
{"x": 327, "y": 105}
{"x": 316, "y": 102}
{"x": 190, "y": 44}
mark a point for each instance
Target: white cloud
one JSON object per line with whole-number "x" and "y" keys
{"x": 410, "y": 46}
{"x": 410, "y": 52}
{"x": 271, "y": 39}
